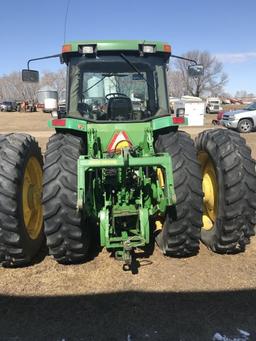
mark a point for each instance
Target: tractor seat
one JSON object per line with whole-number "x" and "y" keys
{"x": 119, "y": 108}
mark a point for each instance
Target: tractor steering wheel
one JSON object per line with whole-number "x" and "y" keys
{"x": 115, "y": 94}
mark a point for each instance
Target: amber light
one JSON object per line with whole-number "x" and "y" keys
{"x": 66, "y": 48}
{"x": 167, "y": 48}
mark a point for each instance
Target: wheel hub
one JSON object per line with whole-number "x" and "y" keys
{"x": 210, "y": 189}
{"x": 31, "y": 198}
{"x": 245, "y": 126}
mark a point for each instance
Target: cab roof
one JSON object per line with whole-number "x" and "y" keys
{"x": 116, "y": 45}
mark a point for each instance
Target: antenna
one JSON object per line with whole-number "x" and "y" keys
{"x": 65, "y": 21}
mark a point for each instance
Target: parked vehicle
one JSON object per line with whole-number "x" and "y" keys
{"x": 31, "y": 107}
{"x": 236, "y": 101}
{"x": 213, "y": 105}
{"x": 225, "y": 101}
{"x": 8, "y": 106}
{"x": 243, "y": 120}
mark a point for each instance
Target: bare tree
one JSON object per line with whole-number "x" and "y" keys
{"x": 175, "y": 83}
{"x": 211, "y": 82}
{"x": 12, "y": 87}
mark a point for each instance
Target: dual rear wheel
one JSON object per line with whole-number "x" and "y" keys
{"x": 215, "y": 184}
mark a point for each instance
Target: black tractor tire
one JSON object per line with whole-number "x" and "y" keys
{"x": 249, "y": 167}
{"x": 245, "y": 125}
{"x": 235, "y": 175}
{"x": 180, "y": 235}
{"x": 66, "y": 231}
{"x": 21, "y": 214}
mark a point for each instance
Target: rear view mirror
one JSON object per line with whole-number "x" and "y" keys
{"x": 195, "y": 70}
{"x": 30, "y": 76}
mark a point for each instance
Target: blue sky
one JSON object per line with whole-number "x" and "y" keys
{"x": 33, "y": 28}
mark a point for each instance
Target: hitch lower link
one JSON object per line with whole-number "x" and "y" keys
{"x": 126, "y": 255}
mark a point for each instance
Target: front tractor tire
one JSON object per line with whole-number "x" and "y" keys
{"x": 65, "y": 226}
{"x": 229, "y": 186}
{"x": 180, "y": 234}
{"x": 21, "y": 213}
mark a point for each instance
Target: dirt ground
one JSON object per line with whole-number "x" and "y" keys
{"x": 164, "y": 299}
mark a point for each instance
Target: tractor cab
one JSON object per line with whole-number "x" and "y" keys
{"x": 113, "y": 81}
{"x": 117, "y": 80}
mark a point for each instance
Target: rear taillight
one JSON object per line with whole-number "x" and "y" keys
{"x": 178, "y": 120}
{"x": 59, "y": 122}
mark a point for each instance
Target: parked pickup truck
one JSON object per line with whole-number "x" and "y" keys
{"x": 243, "y": 120}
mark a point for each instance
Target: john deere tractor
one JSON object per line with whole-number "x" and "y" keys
{"x": 118, "y": 164}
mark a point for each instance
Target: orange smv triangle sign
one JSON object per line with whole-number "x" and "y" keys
{"x": 118, "y": 137}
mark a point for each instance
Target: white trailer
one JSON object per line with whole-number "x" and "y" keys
{"x": 194, "y": 109}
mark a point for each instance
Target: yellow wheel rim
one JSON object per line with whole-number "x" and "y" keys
{"x": 210, "y": 189}
{"x": 31, "y": 198}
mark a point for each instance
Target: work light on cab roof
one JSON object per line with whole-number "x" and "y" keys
{"x": 92, "y": 47}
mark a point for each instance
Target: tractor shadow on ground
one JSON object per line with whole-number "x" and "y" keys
{"x": 131, "y": 315}
{"x": 140, "y": 258}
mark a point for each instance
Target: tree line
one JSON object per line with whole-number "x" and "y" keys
{"x": 14, "y": 89}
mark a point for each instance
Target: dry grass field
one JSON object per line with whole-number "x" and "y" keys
{"x": 164, "y": 299}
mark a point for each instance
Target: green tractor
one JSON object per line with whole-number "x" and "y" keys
{"x": 118, "y": 165}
